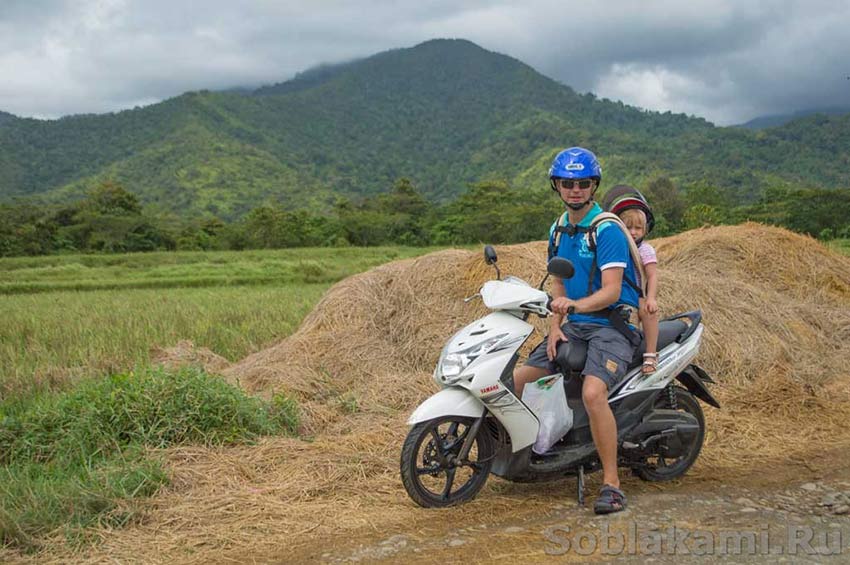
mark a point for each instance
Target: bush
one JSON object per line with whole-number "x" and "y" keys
{"x": 80, "y": 457}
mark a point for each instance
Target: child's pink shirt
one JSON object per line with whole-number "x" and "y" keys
{"x": 647, "y": 253}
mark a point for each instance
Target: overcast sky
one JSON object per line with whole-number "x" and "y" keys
{"x": 728, "y": 61}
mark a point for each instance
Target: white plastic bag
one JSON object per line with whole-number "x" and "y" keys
{"x": 545, "y": 397}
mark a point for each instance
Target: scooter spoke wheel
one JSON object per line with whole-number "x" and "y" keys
{"x": 431, "y": 469}
{"x": 660, "y": 468}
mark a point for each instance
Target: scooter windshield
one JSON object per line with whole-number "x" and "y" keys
{"x": 510, "y": 295}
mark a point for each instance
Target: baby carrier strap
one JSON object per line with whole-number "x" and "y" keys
{"x": 562, "y": 225}
{"x": 617, "y": 316}
{"x": 633, "y": 251}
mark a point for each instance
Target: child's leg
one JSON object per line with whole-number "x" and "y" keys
{"x": 649, "y": 323}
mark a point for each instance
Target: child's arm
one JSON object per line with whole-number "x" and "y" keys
{"x": 651, "y": 271}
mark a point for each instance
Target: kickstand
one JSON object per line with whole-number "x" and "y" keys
{"x": 580, "y": 485}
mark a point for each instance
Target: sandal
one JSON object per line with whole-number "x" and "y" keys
{"x": 611, "y": 499}
{"x": 650, "y": 363}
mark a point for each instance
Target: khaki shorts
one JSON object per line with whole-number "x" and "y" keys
{"x": 608, "y": 352}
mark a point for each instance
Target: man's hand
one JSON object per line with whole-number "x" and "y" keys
{"x": 560, "y": 305}
{"x": 556, "y": 336}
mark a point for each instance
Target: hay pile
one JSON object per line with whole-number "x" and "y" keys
{"x": 776, "y": 307}
{"x": 370, "y": 344}
{"x": 186, "y": 353}
{"x": 777, "y": 311}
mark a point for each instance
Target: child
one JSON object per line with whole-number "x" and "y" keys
{"x": 636, "y": 221}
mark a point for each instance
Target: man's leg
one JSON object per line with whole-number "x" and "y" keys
{"x": 538, "y": 365}
{"x": 603, "y": 426}
{"x": 608, "y": 356}
{"x": 527, "y": 374}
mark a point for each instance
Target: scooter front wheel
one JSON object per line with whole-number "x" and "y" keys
{"x": 432, "y": 471}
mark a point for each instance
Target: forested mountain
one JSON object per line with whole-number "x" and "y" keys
{"x": 774, "y": 120}
{"x": 444, "y": 113}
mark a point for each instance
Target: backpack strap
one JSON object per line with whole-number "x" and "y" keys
{"x": 633, "y": 251}
{"x": 618, "y": 317}
{"x": 614, "y": 315}
{"x": 562, "y": 225}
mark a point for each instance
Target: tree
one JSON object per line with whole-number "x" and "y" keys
{"x": 700, "y": 215}
{"x": 263, "y": 227}
{"x": 113, "y": 199}
{"x": 404, "y": 199}
{"x": 708, "y": 194}
{"x": 494, "y": 213}
{"x": 667, "y": 203}
{"x": 818, "y": 212}
{"x": 401, "y": 216}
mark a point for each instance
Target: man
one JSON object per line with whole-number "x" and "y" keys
{"x": 575, "y": 175}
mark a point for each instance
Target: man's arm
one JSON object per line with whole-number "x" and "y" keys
{"x": 559, "y": 296}
{"x": 557, "y": 293}
{"x": 608, "y": 294}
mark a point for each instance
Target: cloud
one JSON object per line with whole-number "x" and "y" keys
{"x": 727, "y": 61}
{"x": 657, "y": 87}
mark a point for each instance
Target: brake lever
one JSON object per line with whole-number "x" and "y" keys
{"x": 473, "y": 297}
{"x": 549, "y": 311}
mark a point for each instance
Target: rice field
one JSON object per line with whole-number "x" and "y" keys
{"x": 841, "y": 245}
{"x": 69, "y": 457}
{"x": 161, "y": 270}
{"x": 72, "y": 316}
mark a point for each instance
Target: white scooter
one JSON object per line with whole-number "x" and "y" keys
{"x": 476, "y": 425}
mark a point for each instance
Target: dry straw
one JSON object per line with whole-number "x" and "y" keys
{"x": 777, "y": 311}
{"x": 187, "y": 353}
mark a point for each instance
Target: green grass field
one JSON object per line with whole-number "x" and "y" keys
{"x": 88, "y": 315}
{"x": 49, "y": 337}
{"x": 80, "y": 405}
{"x": 842, "y": 245}
{"x": 27, "y": 275}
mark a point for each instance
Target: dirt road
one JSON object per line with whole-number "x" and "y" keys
{"x": 799, "y": 513}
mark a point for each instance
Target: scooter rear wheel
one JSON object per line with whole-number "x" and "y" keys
{"x": 430, "y": 470}
{"x": 659, "y": 468}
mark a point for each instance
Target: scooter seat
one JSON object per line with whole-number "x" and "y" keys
{"x": 668, "y": 332}
{"x": 572, "y": 355}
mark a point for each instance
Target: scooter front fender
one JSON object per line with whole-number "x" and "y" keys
{"x": 452, "y": 401}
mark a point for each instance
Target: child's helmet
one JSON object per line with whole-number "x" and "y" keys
{"x": 623, "y": 197}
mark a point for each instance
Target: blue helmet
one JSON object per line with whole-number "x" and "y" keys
{"x": 576, "y": 163}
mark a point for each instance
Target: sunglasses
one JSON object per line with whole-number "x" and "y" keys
{"x": 570, "y": 183}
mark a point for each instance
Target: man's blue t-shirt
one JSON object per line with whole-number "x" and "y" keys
{"x": 612, "y": 250}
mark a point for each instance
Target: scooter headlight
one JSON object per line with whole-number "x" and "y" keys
{"x": 451, "y": 365}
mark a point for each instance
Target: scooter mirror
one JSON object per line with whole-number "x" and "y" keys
{"x": 560, "y": 267}
{"x": 489, "y": 254}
